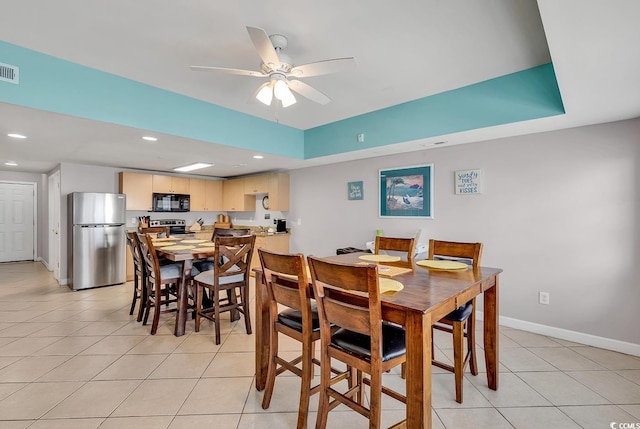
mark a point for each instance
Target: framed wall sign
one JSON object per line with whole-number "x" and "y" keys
{"x": 407, "y": 192}
{"x": 468, "y": 182}
{"x": 355, "y": 190}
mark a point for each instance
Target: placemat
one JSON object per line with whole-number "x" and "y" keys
{"x": 442, "y": 265}
{"x": 388, "y": 271}
{"x": 164, "y": 244}
{"x": 379, "y": 258}
{"x": 178, "y": 247}
{"x": 389, "y": 285}
{"x": 193, "y": 241}
{"x": 162, "y": 239}
{"x": 206, "y": 244}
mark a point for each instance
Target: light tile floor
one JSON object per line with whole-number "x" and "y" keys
{"x": 77, "y": 360}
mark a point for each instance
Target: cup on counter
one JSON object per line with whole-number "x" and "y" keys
{"x": 379, "y": 232}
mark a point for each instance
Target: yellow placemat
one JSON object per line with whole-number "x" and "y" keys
{"x": 443, "y": 265}
{"x": 164, "y": 244}
{"x": 379, "y": 258}
{"x": 193, "y": 241}
{"x": 178, "y": 247}
{"x": 388, "y": 271}
{"x": 162, "y": 239}
{"x": 208, "y": 244}
{"x": 389, "y": 285}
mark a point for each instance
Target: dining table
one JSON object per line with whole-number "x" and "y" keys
{"x": 427, "y": 295}
{"x": 185, "y": 251}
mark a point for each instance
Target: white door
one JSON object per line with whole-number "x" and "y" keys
{"x": 54, "y": 224}
{"x": 16, "y": 222}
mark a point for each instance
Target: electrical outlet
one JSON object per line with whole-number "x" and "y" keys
{"x": 267, "y": 215}
{"x": 543, "y": 298}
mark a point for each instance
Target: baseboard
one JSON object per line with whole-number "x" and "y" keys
{"x": 565, "y": 334}
{"x": 63, "y": 282}
{"x": 43, "y": 262}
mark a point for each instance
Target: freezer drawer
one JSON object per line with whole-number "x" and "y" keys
{"x": 98, "y": 256}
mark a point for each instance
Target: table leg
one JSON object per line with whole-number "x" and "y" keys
{"x": 262, "y": 332}
{"x": 183, "y": 299}
{"x": 491, "y": 334}
{"x": 418, "y": 334}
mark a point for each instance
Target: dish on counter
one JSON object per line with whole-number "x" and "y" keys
{"x": 443, "y": 265}
{"x": 379, "y": 258}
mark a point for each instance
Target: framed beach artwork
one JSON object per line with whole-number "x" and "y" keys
{"x": 407, "y": 192}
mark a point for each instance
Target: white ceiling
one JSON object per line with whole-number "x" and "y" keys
{"x": 404, "y": 51}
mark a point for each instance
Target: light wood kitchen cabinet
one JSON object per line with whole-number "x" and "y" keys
{"x": 170, "y": 184}
{"x": 138, "y": 188}
{"x": 279, "y": 192}
{"x": 256, "y": 184}
{"x": 206, "y": 195}
{"x": 275, "y": 242}
{"x": 234, "y": 199}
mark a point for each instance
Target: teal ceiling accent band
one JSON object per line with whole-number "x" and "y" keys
{"x": 51, "y": 84}
{"x": 520, "y": 96}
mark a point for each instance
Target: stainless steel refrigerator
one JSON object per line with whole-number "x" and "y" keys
{"x": 96, "y": 246}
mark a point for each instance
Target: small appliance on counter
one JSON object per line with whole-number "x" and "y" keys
{"x": 281, "y": 225}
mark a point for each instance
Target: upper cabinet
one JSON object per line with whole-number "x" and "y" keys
{"x": 138, "y": 188}
{"x": 256, "y": 184}
{"x": 279, "y": 192}
{"x": 234, "y": 198}
{"x": 170, "y": 184}
{"x": 206, "y": 195}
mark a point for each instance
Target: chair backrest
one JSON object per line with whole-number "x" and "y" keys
{"x": 407, "y": 245}
{"x": 158, "y": 230}
{"x": 233, "y": 232}
{"x": 234, "y": 254}
{"x": 348, "y": 296}
{"x": 285, "y": 276}
{"x": 149, "y": 257}
{"x": 470, "y": 253}
{"x": 134, "y": 246}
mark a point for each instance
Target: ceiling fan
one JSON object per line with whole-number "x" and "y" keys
{"x": 283, "y": 75}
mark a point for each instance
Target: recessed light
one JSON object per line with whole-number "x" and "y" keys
{"x": 238, "y": 165}
{"x": 17, "y": 136}
{"x": 150, "y": 139}
{"x": 258, "y": 156}
{"x": 11, "y": 163}
{"x": 195, "y": 166}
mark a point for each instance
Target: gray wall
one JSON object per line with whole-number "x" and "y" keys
{"x": 558, "y": 213}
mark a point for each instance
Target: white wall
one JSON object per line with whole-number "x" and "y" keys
{"x": 558, "y": 213}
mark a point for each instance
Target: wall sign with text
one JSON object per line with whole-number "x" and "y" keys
{"x": 468, "y": 182}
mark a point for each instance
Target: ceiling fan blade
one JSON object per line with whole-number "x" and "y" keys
{"x": 229, "y": 71}
{"x": 263, "y": 45}
{"x": 324, "y": 67}
{"x": 308, "y": 91}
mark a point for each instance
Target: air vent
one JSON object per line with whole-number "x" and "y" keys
{"x": 9, "y": 73}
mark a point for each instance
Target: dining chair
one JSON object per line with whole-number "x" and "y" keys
{"x": 404, "y": 245}
{"x": 461, "y": 321}
{"x": 139, "y": 275}
{"x": 348, "y": 296}
{"x": 287, "y": 284}
{"x": 158, "y": 231}
{"x": 231, "y": 263}
{"x": 162, "y": 282}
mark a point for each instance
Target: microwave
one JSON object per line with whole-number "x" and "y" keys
{"x": 170, "y": 203}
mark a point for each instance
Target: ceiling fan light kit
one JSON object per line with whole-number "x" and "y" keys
{"x": 278, "y": 67}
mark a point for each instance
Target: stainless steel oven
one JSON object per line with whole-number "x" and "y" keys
{"x": 176, "y": 226}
